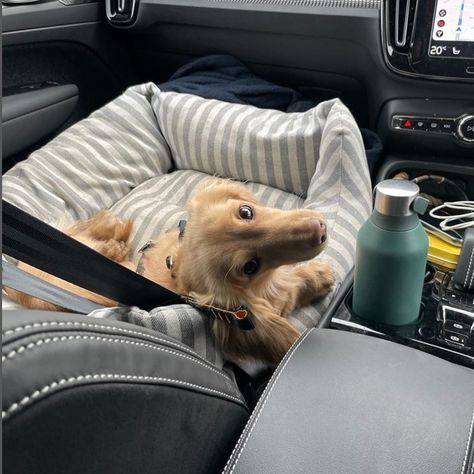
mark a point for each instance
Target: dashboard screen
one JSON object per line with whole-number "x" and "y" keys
{"x": 454, "y": 20}
{"x": 452, "y": 32}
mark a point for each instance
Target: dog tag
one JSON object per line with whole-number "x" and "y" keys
{"x": 241, "y": 317}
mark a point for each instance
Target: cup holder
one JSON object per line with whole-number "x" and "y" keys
{"x": 426, "y": 333}
{"x": 406, "y": 330}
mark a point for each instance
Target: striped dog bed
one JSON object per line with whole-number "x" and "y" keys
{"x": 143, "y": 154}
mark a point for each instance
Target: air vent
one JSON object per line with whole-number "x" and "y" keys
{"x": 399, "y": 23}
{"x": 121, "y": 12}
{"x": 402, "y": 10}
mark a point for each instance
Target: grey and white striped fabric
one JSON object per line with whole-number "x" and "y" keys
{"x": 142, "y": 155}
{"x": 238, "y": 141}
{"x": 94, "y": 163}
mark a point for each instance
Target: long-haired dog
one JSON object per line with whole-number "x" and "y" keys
{"x": 234, "y": 251}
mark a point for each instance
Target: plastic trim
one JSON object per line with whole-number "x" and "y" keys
{"x": 311, "y": 3}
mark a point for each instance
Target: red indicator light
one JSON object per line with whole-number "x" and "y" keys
{"x": 441, "y": 23}
{"x": 407, "y": 123}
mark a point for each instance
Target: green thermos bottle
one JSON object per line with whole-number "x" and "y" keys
{"x": 391, "y": 253}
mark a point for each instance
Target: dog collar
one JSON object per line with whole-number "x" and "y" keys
{"x": 239, "y": 317}
{"x": 150, "y": 243}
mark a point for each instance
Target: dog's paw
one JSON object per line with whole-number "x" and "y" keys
{"x": 320, "y": 278}
{"x": 326, "y": 276}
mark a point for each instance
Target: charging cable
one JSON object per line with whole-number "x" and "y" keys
{"x": 448, "y": 222}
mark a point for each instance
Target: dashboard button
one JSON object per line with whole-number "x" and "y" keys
{"x": 465, "y": 129}
{"x": 434, "y": 125}
{"x": 406, "y": 123}
{"x": 420, "y": 124}
{"x": 447, "y": 126}
{"x": 455, "y": 338}
{"x": 457, "y": 326}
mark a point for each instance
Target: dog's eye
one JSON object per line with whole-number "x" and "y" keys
{"x": 245, "y": 212}
{"x": 251, "y": 266}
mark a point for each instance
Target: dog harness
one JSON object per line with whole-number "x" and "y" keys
{"x": 239, "y": 317}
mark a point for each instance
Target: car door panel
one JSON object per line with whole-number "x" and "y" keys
{"x": 50, "y": 43}
{"x": 28, "y": 117}
{"x": 50, "y": 14}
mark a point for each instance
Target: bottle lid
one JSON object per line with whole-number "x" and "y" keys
{"x": 394, "y": 197}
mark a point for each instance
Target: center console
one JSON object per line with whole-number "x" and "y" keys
{"x": 347, "y": 403}
{"x": 445, "y": 326}
{"x": 361, "y": 396}
{"x": 429, "y": 38}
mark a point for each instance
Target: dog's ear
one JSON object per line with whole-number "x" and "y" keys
{"x": 217, "y": 191}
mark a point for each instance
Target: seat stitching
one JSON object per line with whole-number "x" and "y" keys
{"x": 247, "y": 436}
{"x": 94, "y": 326}
{"x": 15, "y": 352}
{"x": 86, "y": 378}
{"x": 469, "y": 268}
{"x": 468, "y": 443}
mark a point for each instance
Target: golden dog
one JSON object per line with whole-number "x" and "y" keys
{"x": 234, "y": 252}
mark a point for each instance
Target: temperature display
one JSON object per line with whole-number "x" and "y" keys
{"x": 452, "y": 32}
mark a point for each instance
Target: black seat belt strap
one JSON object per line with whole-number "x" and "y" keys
{"x": 19, "y": 280}
{"x": 32, "y": 241}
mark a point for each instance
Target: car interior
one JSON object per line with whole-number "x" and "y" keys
{"x": 100, "y": 99}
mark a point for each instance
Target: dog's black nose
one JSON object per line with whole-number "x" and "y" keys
{"x": 319, "y": 232}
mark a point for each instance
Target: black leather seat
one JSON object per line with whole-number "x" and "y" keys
{"x": 85, "y": 395}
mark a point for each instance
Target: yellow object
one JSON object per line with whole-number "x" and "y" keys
{"x": 442, "y": 253}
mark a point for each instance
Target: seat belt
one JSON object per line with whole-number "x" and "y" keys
{"x": 36, "y": 243}
{"x": 19, "y": 280}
